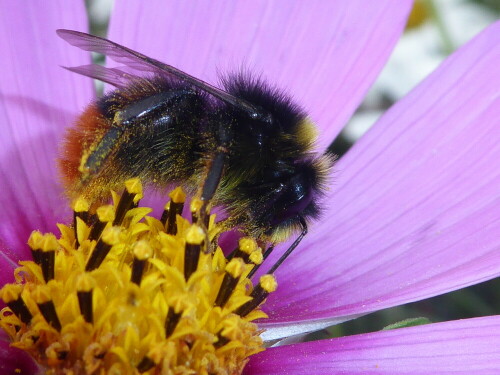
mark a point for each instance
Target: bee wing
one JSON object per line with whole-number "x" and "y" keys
{"x": 114, "y": 76}
{"x": 140, "y": 62}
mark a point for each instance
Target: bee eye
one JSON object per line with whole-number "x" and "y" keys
{"x": 276, "y": 174}
{"x": 268, "y": 119}
{"x": 294, "y": 197}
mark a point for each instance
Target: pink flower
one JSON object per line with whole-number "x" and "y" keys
{"x": 414, "y": 210}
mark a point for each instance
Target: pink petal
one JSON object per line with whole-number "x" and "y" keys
{"x": 14, "y": 361}
{"x": 7, "y": 265}
{"x": 459, "y": 347}
{"x": 415, "y": 207}
{"x": 38, "y": 99}
{"x": 325, "y": 53}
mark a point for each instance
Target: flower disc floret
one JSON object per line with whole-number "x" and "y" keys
{"x": 121, "y": 292}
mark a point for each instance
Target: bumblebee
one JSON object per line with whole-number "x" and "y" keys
{"x": 246, "y": 147}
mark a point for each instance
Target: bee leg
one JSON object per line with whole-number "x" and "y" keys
{"x": 216, "y": 169}
{"x": 208, "y": 191}
{"x": 213, "y": 178}
{"x": 286, "y": 253}
{"x": 129, "y": 117}
{"x": 103, "y": 149}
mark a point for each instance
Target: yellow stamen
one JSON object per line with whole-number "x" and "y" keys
{"x": 81, "y": 205}
{"x": 268, "y": 283}
{"x": 247, "y": 245}
{"x": 134, "y": 297}
{"x": 35, "y": 240}
{"x": 256, "y": 257}
{"x": 177, "y": 195}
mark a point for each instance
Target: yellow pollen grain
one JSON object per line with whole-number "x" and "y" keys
{"x": 177, "y": 195}
{"x": 35, "y": 240}
{"x": 111, "y": 235}
{"x": 80, "y": 205}
{"x": 142, "y": 250}
{"x": 106, "y": 213}
{"x": 256, "y": 257}
{"x": 49, "y": 242}
{"x": 247, "y": 245}
{"x": 235, "y": 267}
{"x": 268, "y": 283}
{"x": 82, "y": 168}
{"x": 118, "y": 117}
{"x": 195, "y": 235}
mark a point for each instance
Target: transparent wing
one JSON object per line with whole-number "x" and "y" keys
{"x": 140, "y": 62}
{"x": 117, "y": 77}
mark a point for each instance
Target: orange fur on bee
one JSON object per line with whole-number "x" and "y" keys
{"x": 77, "y": 140}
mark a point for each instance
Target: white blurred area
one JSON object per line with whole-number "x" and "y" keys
{"x": 99, "y": 12}
{"x": 446, "y": 25}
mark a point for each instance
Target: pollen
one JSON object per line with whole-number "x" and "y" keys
{"x": 121, "y": 292}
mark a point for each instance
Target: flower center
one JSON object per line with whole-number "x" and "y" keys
{"x": 124, "y": 293}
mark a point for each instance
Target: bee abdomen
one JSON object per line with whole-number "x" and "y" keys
{"x": 78, "y": 141}
{"x": 151, "y": 134}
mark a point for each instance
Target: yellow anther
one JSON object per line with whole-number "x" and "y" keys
{"x": 134, "y": 186}
{"x": 235, "y": 267}
{"x": 85, "y": 283}
{"x": 196, "y": 204}
{"x": 10, "y": 292}
{"x": 41, "y": 294}
{"x": 268, "y": 283}
{"x": 112, "y": 235}
{"x": 256, "y": 257}
{"x": 106, "y": 213}
{"x": 80, "y": 205}
{"x": 177, "y": 195}
{"x": 49, "y": 242}
{"x": 247, "y": 245}
{"x": 195, "y": 235}
{"x": 35, "y": 240}
{"x": 142, "y": 250}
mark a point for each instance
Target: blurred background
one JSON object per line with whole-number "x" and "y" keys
{"x": 435, "y": 29}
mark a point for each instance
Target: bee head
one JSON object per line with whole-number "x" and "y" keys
{"x": 295, "y": 195}
{"x": 288, "y": 178}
